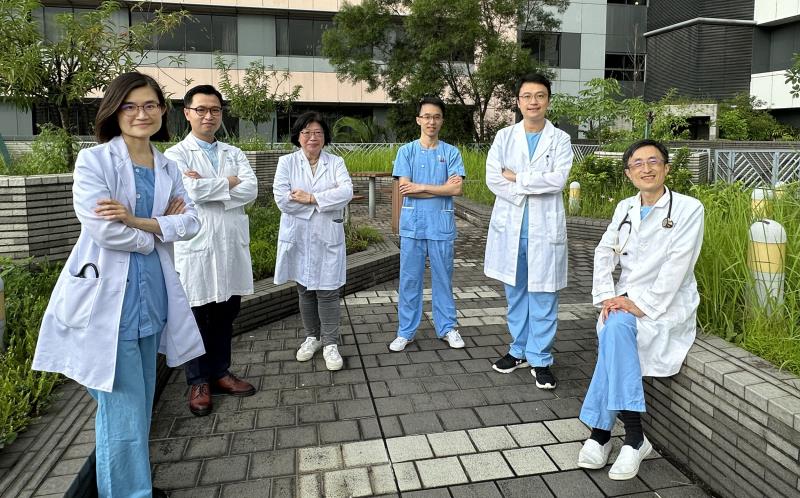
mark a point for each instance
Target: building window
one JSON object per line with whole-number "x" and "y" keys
{"x": 544, "y": 47}
{"x": 203, "y": 33}
{"x": 48, "y": 25}
{"x": 625, "y": 67}
{"x": 629, "y": 2}
{"x": 297, "y": 36}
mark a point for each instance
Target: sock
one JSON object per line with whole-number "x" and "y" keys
{"x": 634, "y": 436}
{"x": 600, "y": 436}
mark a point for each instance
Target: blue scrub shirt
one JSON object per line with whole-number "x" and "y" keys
{"x": 431, "y": 218}
{"x": 533, "y": 141}
{"x": 210, "y": 149}
{"x": 144, "y": 307}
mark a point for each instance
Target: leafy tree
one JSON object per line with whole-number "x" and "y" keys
{"x": 743, "y": 117}
{"x": 793, "y": 76}
{"x": 79, "y": 57}
{"x": 466, "y": 51}
{"x": 457, "y": 127}
{"x": 354, "y": 130}
{"x": 260, "y": 95}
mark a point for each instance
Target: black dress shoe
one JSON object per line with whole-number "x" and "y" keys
{"x": 159, "y": 493}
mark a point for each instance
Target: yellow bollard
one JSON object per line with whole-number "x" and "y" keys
{"x": 574, "y": 198}
{"x": 766, "y": 257}
{"x": 761, "y": 203}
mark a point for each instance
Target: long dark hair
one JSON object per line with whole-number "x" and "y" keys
{"x": 106, "y": 125}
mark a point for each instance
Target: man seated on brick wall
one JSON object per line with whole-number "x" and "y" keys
{"x": 214, "y": 267}
{"x": 648, "y": 319}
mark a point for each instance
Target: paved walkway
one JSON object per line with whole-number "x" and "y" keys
{"x": 430, "y": 421}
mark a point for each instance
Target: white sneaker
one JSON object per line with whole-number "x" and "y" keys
{"x": 593, "y": 455}
{"x": 454, "y": 339}
{"x": 627, "y": 464}
{"x": 308, "y": 348}
{"x": 333, "y": 360}
{"x": 399, "y": 343}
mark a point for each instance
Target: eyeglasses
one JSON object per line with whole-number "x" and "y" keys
{"x": 431, "y": 117}
{"x": 653, "y": 162}
{"x": 133, "y": 109}
{"x": 201, "y": 111}
{"x": 312, "y": 133}
{"x": 527, "y": 97}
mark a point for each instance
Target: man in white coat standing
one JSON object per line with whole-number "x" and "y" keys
{"x": 214, "y": 267}
{"x": 526, "y": 247}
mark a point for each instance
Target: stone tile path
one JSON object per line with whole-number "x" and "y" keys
{"x": 429, "y": 421}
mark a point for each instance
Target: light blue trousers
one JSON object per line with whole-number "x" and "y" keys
{"x": 532, "y": 316}
{"x": 122, "y": 423}
{"x": 412, "y": 276}
{"x": 617, "y": 380}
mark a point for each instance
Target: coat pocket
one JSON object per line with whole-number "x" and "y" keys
{"x": 407, "y": 219}
{"x": 447, "y": 221}
{"x": 76, "y": 301}
{"x": 556, "y": 227}
{"x": 243, "y": 230}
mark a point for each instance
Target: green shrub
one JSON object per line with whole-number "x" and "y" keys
{"x": 23, "y": 392}
{"x": 52, "y": 151}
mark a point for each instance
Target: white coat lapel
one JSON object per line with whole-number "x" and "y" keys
{"x": 635, "y": 212}
{"x": 519, "y": 142}
{"x": 199, "y": 158}
{"x": 321, "y": 167}
{"x": 545, "y": 142}
{"x": 163, "y": 184}
{"x": 126, "y": 185}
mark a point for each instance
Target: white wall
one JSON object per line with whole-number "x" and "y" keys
{"x": 772, "y": 88}
{"x": 767, "y": 11}
{"x": 587, "y": 17}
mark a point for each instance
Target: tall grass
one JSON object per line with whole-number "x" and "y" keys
{"x": 374, "y": 160}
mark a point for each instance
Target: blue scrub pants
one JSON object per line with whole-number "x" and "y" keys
{"x": 412, "y": 276}
{"x": 122, "y": 423}
{"x": 532, "y": 316}
{"x": 617, "y": 380}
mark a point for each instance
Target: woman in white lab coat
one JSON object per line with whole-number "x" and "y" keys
{"x": 118, "y": 299}
{"x": 312, "y": 188}
{"x": 648, "y": 319}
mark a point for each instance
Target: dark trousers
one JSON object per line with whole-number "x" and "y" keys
{"x": 215, "y": 321}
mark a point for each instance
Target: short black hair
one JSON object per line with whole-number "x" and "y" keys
{"x": 203, "y": 90}
{"x": 306, "y": 119}
{"x": 432, "y": 100}
{"x": 533, "y": 78}
{"x": 647, "y": 142}
{"x": 106, "y": 124}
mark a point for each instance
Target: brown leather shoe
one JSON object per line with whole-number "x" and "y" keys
{"x": 233, "y": 385}
{"x": 200, "y": 399}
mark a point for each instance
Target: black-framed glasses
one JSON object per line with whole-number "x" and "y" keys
{"x": 202, "y": 111}
{"x": 130, "y": 109}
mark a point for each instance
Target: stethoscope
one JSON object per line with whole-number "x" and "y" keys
{"x": 665, "y": 223}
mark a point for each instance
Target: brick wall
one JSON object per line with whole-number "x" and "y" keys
{"x": 264, "y": 164}
{"x": 731, "y": 418}
{"x": 36, "y": 216}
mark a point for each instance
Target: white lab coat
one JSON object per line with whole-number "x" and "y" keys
{"x": 657, "y": 274}
{"x": 216, "y": 264}
{"x": 540, "y": 182}
{"x": 80, "y": 327}
{"x": 311, "y": 246}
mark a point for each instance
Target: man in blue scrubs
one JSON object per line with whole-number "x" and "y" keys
{"x": 431, "y": 173}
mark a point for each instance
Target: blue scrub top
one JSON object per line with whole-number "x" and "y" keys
{"x": 644, "y": 211}
{"x": 144, "y": 307}
{"x": 210, "y": 149}
{"x": 431, "y": 218}
{"x": 533, "y": 141}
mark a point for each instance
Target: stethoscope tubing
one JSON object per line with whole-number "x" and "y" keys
{"x": 665, "y": 223}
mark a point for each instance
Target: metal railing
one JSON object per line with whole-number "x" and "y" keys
{"x": 756, "y": 167}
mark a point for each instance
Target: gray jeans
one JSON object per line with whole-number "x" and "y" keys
{"x": 319, "y": 310}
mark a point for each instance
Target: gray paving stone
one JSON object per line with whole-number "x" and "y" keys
{"x": 369, "y": 428}
{"x": 524, "y": 487}
{"x": 430, "y": 402}
{"x": 275, "y": 417}
{"x": 364, "y": 453}
{"x": 203, "y": 492}
{"x": 459, "y": 419}
{"x": 247, "y": 489}
{"x": 486, "y": 466}
{"x": 406, "y": 475}
{"x": 420, "y": 423}
{"x": 568, "y": 430}
{"x": 480, "y": 490}
{"x": 319, "y": 412}
{"x": 659, "y": 473}
{"x": 683, "y": 492}
{"x": 355, "y": 409}
{"x": 347, "y": 483}
{"x": 533, "y": 411}
{"x": 337, "y": 432}
{"x": 393, "y": 406}
{"x": 428, "y": 493}
{"x": 391, "y": 426}
{"x": 527, "y": 461}
{"x": 450, "y": 443}
{"x": 403, "y": 449}
{"x": 190, "y": 426}
{"x": 252, "y": 441}
{"x": 333, "y": 393}
{"x": 229, "y": 469}
{"x": 565, "y": 455}
{"x": 308, "y": 486}
{"x": 616, "y": 488}
{"x": 237, "y": 421}
{"x": 162, "y": 450}
{"x": 319, "y": 458}
{"x": 176, "y": 475}
{"x": 565, "y": 407}
{"x": 401, "y": 387}
{"x": 497, "y": 415}
{"x": 283, "y": 486}
{"x": 534, "y": 434}
{"x": 492, "y": 439}
{"x": 466, "y": 398}
{"x": 441, "y": 472}
{"x": 296, "y": 396}
{"x": 572, "y": 484}
{"x": 272, "y": 464}
{"x": 296, "y": 437}
{"x": 207, "y": 446}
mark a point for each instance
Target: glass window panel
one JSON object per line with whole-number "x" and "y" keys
{"x": 301, "y": 37}
{"x": 319, "y": 28}
{"x": 198, "y": 34}
{"x": 174, "y": 41}
{"x": 141, "y": 18}
{"x": 224, "y": 33}
{"x": 53, "y": 31}
{"x": 282, "y": 36}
